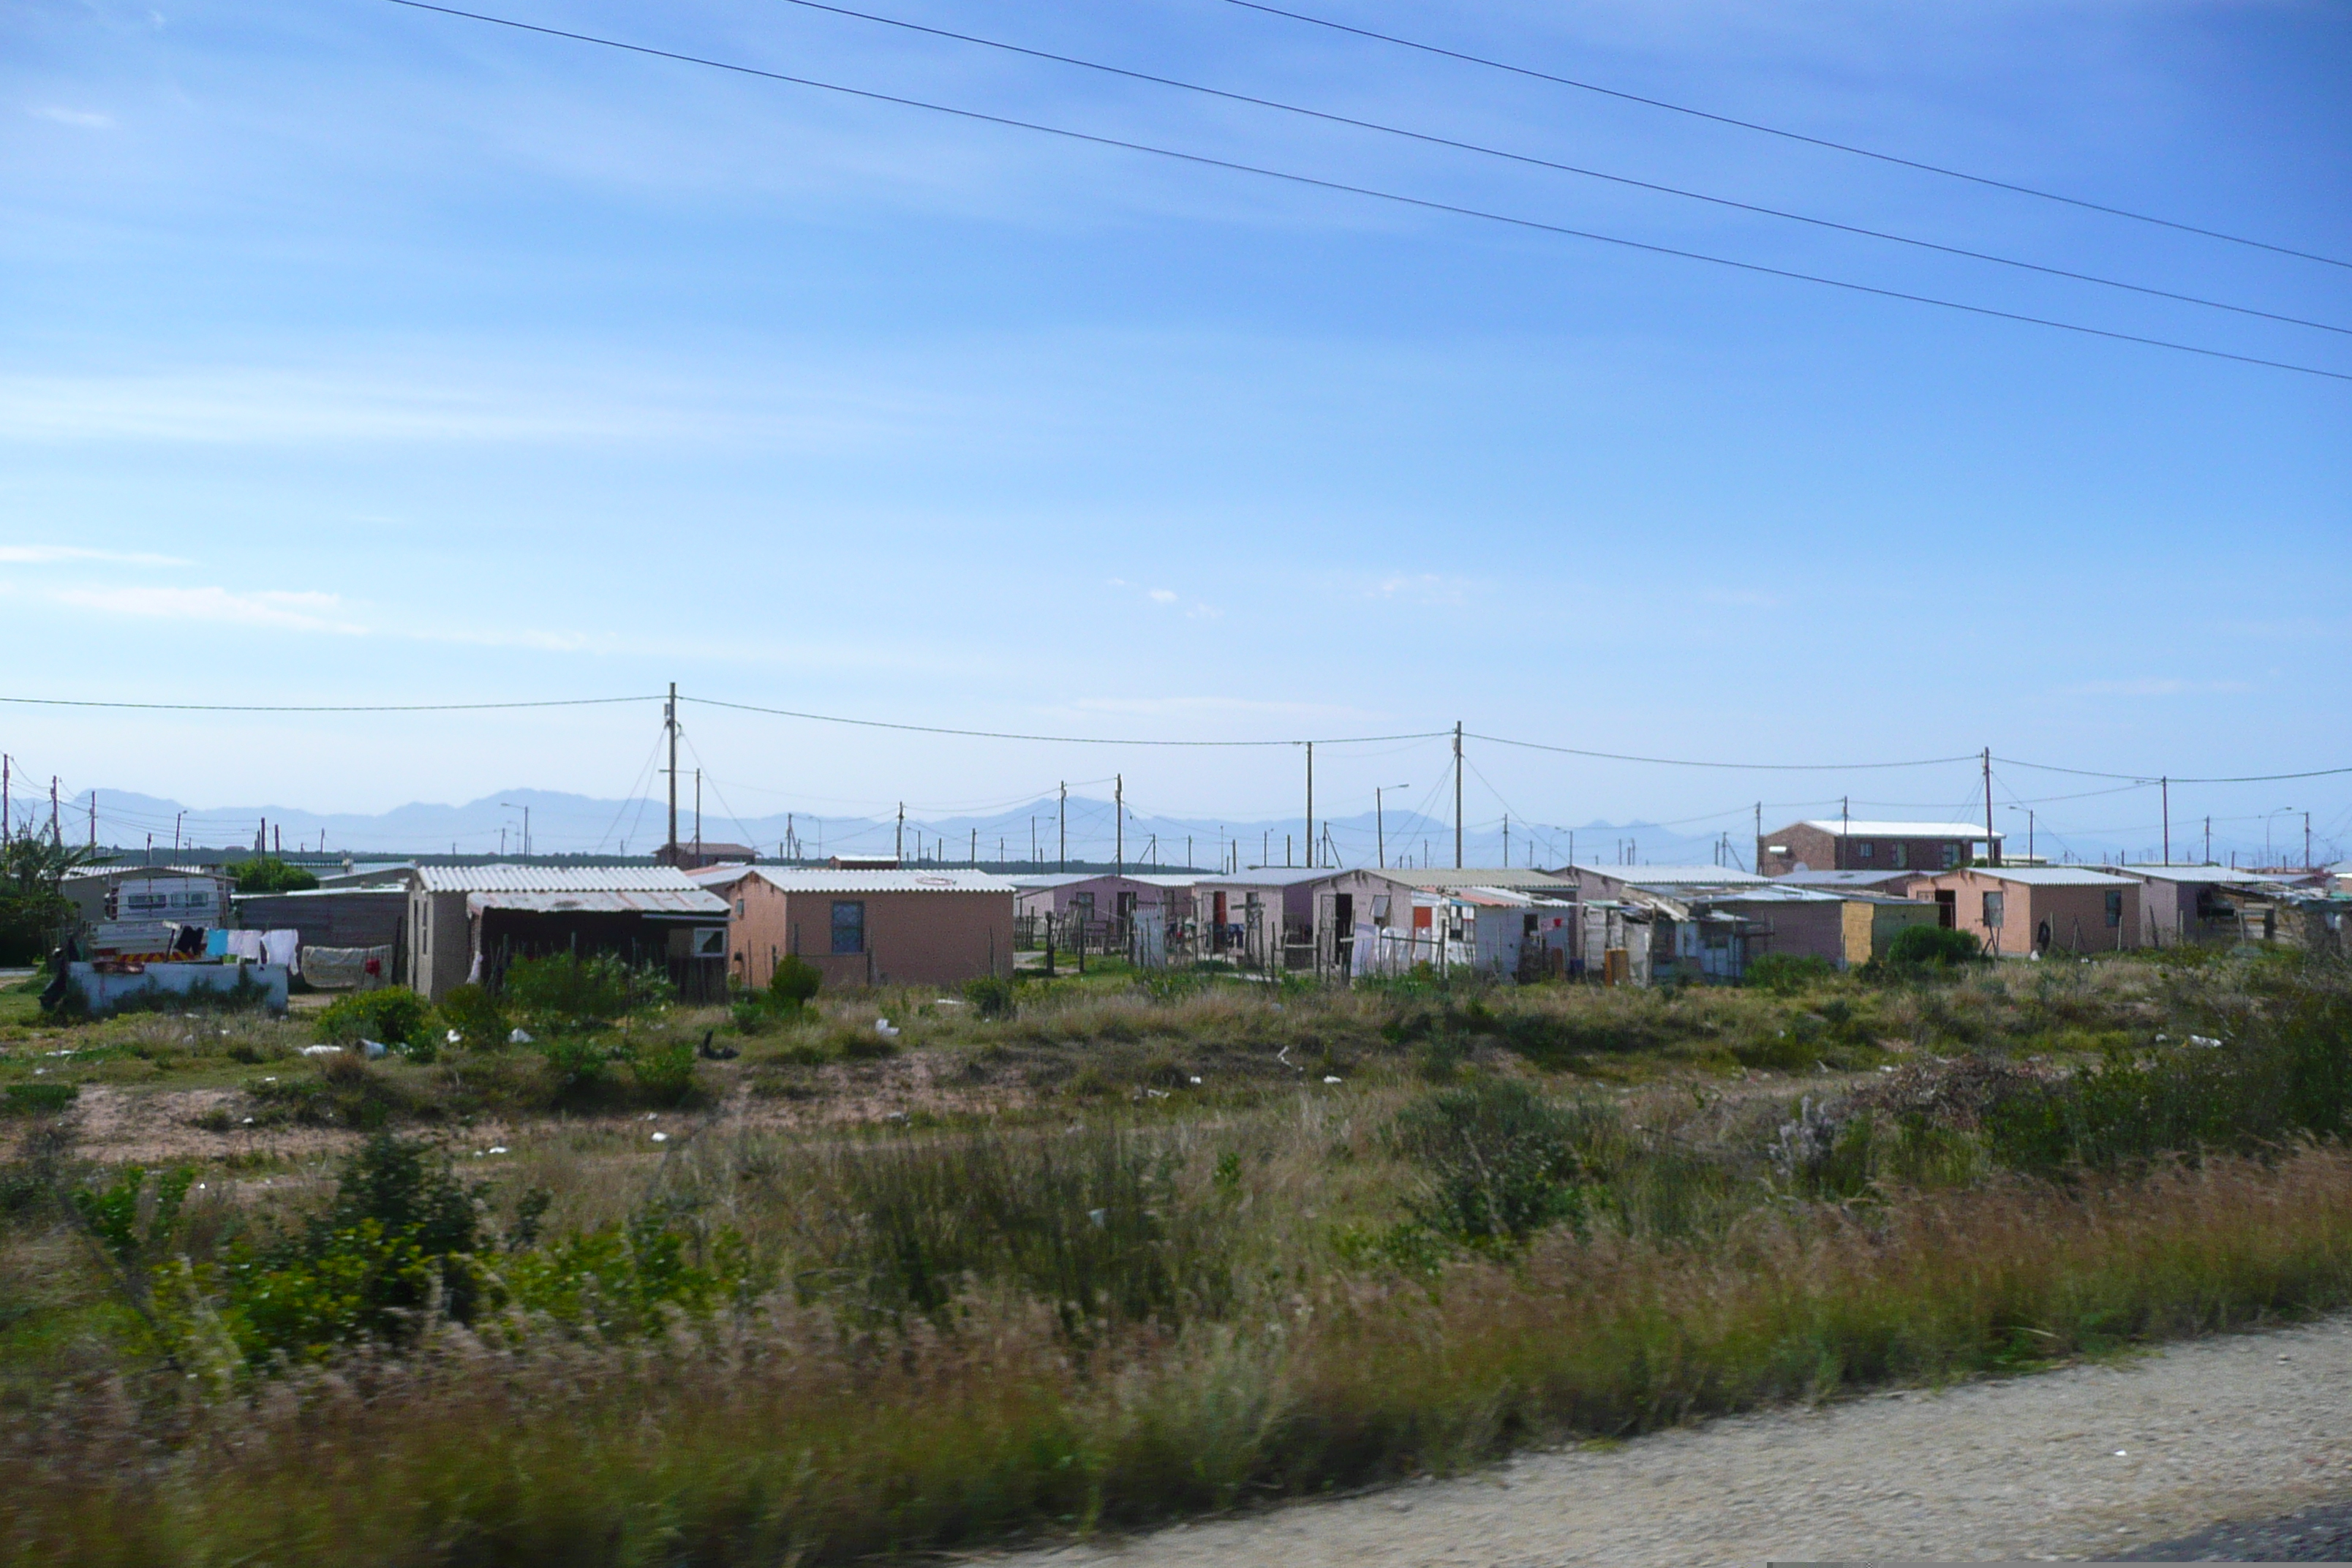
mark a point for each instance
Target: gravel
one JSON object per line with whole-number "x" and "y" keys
{"x": 2089, "y": 1462}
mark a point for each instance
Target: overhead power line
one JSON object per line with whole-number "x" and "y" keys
{"x": 1423, "y": 204}
{"x": 2176, "y": 778}
{"x": 327, "y": 707}
{"x": 1896, "y": 159}
{"x": 1745, "y": 767}
{"x": 1056, "y": 740}
{"x": 1532, "y": 161}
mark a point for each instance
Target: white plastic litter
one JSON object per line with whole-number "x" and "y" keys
{"x": 498, "y": 1148}
{"x": 519, "y": 1038}
{"x": 1328, "y": 1079}
{"x": 1099, "y": 1216}
{"x": 455, "y": 1037}
{"x": 371, "y": 1049}
{"x": 661, "y": 1137}
{"x": 323, "y": 1050}
{"x": 1196, "y": 1078}
{"x": 2206, "y": 1040}
{"x": 884, "y": 1028}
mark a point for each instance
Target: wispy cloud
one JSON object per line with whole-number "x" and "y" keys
{"x": 1164, "y": 595}
{"x": 1421, "y": 588}
{"x": 87, "y": 120}
{"x": 43, "y": 554}
{"x": 303, "y": 612}
{"x": 2154, "y": 685}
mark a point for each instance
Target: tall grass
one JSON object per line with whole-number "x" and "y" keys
{"x": 789, "y": 1436}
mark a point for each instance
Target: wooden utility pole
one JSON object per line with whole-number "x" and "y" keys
{"x": 1062, "y": 824}
{"x": 1458, "y": 794}
{"x": 56, "y": 833}
{"x": 1311, "y": 802}
{"x": 1118, "y": 824}
{"x": 669, "y": 726}
{"x": 5, "y": 781}
{"x": 2167, "y": 782}
{"x": 898, "y": 845}
{"x": 697, "y": 814}
{"x": 1992, "y": 845}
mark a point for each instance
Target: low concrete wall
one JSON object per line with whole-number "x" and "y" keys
{"x": 200, "y": 983}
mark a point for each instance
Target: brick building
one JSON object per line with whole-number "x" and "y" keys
{"x": 1853, "y": 845}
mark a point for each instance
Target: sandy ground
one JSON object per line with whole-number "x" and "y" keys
{"x": 2080, "y": 1464}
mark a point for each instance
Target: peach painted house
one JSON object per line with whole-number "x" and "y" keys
{"x": 865, "y": 928}
{"x": 2019, "y": 910}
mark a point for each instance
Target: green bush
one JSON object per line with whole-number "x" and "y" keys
{"x": 990, "y": 994}
{"x": 38, "y": 1099}
{"x": 475, "y": 1016}
{"x": 1498, "y": 1162}
{"x": 565, "y": 991}
{"x": 1932, "y": 947}
{"x": 1786, "y": 974}
{"x": 268, "y": 874}
{"x": 664, "y": 1072}
{"x": 794, "y": 985}
{"x": 394, "y": 1016}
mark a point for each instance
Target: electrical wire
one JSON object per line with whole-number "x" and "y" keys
{"x": 1755, "y": 767}
{"x": 1422, "y": 204}
{"x": 327, "y": 707}
{"x": 1788, "y": 135}
{"x": 2155, "y": 779}
{"x": 1530, "y": 159}
{"x": 1005, "y": 735}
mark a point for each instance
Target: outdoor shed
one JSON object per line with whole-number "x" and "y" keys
{"x": 468, "y": 922}
{"x": 2017, "y": 909}
{"x": 869, "y": 927}
{"x": 2202, "y": 904}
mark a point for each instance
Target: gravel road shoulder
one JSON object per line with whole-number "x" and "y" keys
{"x": 2088, "y": 1462}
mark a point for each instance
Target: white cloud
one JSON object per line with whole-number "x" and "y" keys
{"x": 42, "y": 554}
{"x": 284, "y": 611}
{"x": 85, "y": 119}
{"x": 1164, "y": 595}
{"x": 1205, "y": 613}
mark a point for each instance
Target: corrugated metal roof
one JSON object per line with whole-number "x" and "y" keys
{"x": 819, "y": 879}
{"x": 1858, "y": 828}
{"x": 1848, "y": 878}
{"x": 2216, "y": 874}
{"x": 1773, "y": 893}
{"x": 687, "y": 902}
{"x": 1673, "y": 876}
{"x": 504, "y": 878}
{"x": 2046, "y": 876}
{"x": 1525, "y": 880}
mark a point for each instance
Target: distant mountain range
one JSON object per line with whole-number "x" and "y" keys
{"x": 1028, "y": 835}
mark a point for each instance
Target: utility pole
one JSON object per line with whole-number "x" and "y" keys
{"x": 1311, "y": 802}
{"x": 57, "y": 834}
{"x": 975, "y": 848}
{"x": 2209, "y": 841}
{"x": 698, "y": 814}
{"x": 176, "y": 832}
{"x": 1992, "y": 845}
{"x": 5, "y": 780}
{"x": 669, "y": 723}
{"x": 1458, "y": 794}
{"x": 2307, "y": 838}
{"x": 1507, "y": 838}
{"x": 1062, "y": 825}
{"x": 898, "y": 845}
{"x": 1118, "y": 824}
{"x": 2167, "y": 782}
{"x": 93, "y": 825}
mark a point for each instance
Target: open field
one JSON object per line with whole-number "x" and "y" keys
{"x": 1131, "y": 1250}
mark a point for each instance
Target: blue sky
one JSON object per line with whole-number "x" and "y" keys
{"x": 356, "y": 355}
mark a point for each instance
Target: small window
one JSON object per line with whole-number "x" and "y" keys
{"x": 1899, "y": 856}
{"x": 738, "y": 907}
{"x": 1868, "y": 848}
{"x": 849, "y": 926}
{"x": 1995, "y": 906}
{"x": 1951, "y": 856}
{"x": 2114, "y": 907}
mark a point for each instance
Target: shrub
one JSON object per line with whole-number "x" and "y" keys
{"x": 1786, "y": 974}
{"x": 476, "y": 1017}
{"x": 268, "y": 874}
{"x": 565, "y": 991}
{"x": 38, "y": 1099}
{"x": 394, "y": 1016}
{"x": 1497, "y": 1161}
{"x": 990, "y": 994}
{"x": 1932, "y": 947}
{"x": 794, "y": 985}
{"x": 664, "y": 1072}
